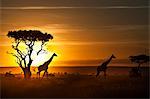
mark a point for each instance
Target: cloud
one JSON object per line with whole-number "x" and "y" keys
{"x": 95, "y": 43}
{"x": 83, "y": 43}
{"x": 91, "y": 62}
{"x": 73, "y": 7}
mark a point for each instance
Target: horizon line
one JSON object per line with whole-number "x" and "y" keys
{"x": 70, "y": 66}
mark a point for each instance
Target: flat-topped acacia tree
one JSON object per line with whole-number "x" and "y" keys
{"x": 139, "y": 59}
{"x": 28, "y": 38}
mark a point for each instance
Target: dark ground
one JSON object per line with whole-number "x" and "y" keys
{"x": 76, "y": 86}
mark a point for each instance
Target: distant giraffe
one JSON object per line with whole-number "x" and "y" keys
{"x": 44, "y": 67}
{"x": 103, "y": 66}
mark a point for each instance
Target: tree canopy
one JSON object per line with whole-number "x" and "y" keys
{"x": 140, "y": 59}
{"x": 31, "y": 35}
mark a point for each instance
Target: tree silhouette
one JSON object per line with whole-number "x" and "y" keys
{"x": 28, "y": 38}
{"x": 140, "y": 59}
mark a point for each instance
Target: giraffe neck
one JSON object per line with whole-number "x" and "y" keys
{"x": 108, "y": 61}
{"x": 48, "y": 62}
{"x": 51, "y": 59}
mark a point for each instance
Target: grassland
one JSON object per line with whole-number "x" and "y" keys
{"x": 76, "y": 86}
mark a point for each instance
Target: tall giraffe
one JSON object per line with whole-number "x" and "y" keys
{"x": 103, "y": 66}
{"x": 44, "y": 67}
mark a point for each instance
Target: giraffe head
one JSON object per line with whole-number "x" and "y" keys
{"x": 54, "y": 54}
{"x": 113, "y": 56}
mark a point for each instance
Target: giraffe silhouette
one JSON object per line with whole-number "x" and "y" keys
{"x": 103, "y": 66}
{"x": 44, "y": 67}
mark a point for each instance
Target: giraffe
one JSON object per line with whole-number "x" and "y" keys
{"x": 44, "y": 67}
{"x": 103, "y": 66}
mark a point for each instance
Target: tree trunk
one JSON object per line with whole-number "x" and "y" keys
{"x": 27, "y": 73}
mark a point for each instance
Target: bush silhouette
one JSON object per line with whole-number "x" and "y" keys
{"x": 140, "y": 59}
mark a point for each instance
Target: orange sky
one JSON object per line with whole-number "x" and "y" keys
{"x": 88, "y": 31}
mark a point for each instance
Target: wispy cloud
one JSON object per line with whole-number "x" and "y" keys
{"x": 73, "y": 7}
{"x": 80, "y": 27}
{"x": 93, "y": 62}
{"x": 95, "y": 43}
{"x": 83, "y": 43}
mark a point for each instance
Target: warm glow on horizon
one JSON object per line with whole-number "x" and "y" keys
{"x": 74, "y": 48}
{"x": 81, "y": 33}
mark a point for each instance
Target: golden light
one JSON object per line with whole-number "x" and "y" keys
{"x": 49, "y": 48}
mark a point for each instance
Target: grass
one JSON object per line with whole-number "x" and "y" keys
{"x": 76, "y": 86}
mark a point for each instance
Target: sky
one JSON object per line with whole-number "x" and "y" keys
{"x": 85, "y": 31}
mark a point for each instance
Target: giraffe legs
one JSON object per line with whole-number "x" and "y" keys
{"x": 105, "y": 74}
{"x": 38, "y": 74}
{"x": 98, "y": 72}
{"x": 45, "y": 73}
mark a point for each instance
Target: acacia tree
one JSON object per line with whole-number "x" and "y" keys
{"x": 28, "y": 38}
{"x": 140, "y": 59}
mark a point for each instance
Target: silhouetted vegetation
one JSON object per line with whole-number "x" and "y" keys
{"x": 24, "y": 58}
{"x": 140, "y": 59}
{"x": 135, "y": 72}
{"x": 76, "y": 86}
{"x": 9, "y": 74}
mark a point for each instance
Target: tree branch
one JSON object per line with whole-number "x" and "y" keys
{"x": 30, "y": 45}
{"x": 17, "y": 49}
{"x": 22, "y": 55}
{"x": 19, "y": 62}
{"x": 41, "y": 47}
